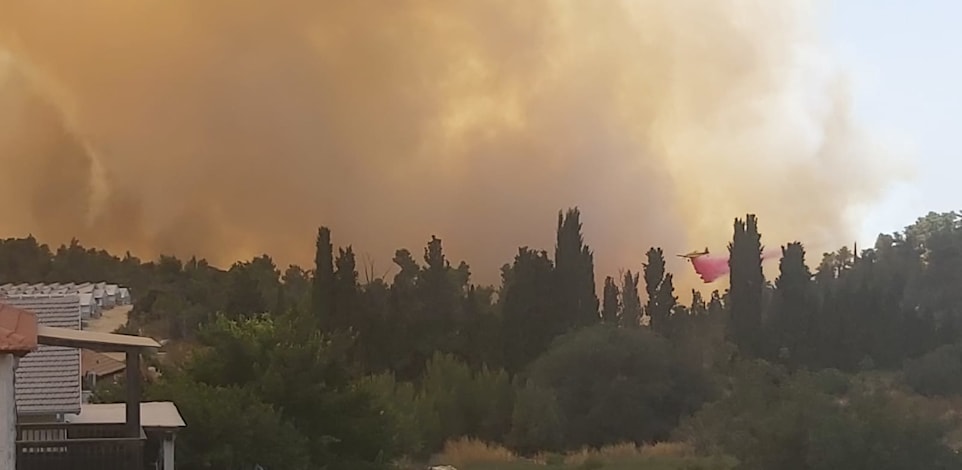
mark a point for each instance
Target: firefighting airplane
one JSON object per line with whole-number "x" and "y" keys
{"x": 694, "y": 254}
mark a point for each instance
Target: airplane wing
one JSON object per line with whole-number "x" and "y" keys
{"x": 693, "y": 254}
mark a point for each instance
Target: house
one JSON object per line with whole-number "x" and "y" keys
{"x": 88, "y": 309}
{"x": 98, "y": 292}
{"x": 110, "y": 295}
{"x": 94, "y": 297}
{"x": 48, "y": 379}
{"x": 54, "y": 429}
{"x": 97, "y": 367}
{"x": 123, "y": 296}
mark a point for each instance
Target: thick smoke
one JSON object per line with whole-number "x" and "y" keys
{"x": 229, "y": 128}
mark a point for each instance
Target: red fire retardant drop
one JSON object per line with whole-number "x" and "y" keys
{"x": 710, "y": 268}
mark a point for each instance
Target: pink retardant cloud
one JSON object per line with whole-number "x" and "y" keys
{"x": 710, "y": 268}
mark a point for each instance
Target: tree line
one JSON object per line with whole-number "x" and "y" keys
{"x": 327, "y": 368}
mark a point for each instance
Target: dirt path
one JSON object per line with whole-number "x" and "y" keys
{"x": 108, "y": 322}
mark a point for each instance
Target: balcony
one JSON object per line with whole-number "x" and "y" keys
{"x": 78, "y": 447}
{"x": 49, "y": 440}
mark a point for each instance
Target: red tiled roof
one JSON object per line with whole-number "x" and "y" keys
{"x": 18, "y": 330}
{"x": 99, "y": 364}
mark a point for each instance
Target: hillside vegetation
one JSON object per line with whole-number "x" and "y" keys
{"x": 854, "y": 364}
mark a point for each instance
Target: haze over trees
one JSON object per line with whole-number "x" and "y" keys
{"x": 328, "y": 366}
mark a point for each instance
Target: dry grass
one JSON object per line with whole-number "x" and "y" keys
{"x": 472, "y": 451}
{"x": 629, "y": 451}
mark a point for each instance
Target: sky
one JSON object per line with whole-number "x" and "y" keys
{"x": 152, "y": 126}
{"x": 905, "y": 65}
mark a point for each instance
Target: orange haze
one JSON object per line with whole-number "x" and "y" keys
{"x": 228, "y": 128}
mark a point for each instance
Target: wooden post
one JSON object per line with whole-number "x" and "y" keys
{"x": 8, "y": 412}
{"x": 133, "y": 392}
{"x": 169, "y": 451}
{"x": 133, "y": 404}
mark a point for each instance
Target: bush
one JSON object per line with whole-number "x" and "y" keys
{"x": 398, "y": 401}
{"x": 773, "y": 420}
{"x": 215, "y": 414}
{"x": 304, "y": 375}
{"x": 467, "y": 454}
{"x": 832, "y": 381}
{"x": 937, "y": 373}
{"x": 617, "y": 385}
{"x": 454, "y": 402}
{"x": 536, "y": 423}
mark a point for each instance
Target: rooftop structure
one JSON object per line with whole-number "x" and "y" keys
{"x": 18, "y": 330}
{"x": 48, "y": 379}
{"x": 95, "y": 437}
{"x": 94, "y": 296}
{"x": 99, "y": 364}
{"x": 153, "y": 415}
{"x": 18, "y": 336}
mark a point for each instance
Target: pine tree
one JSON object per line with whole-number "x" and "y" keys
{"x": 441, "y": 290}
{"x": 280, "y": 303}
{"x": 530, "y": 321}
{"x": 244, "y": 293}
{"x": 405, "y": 309}
{"x": 611, "y": 308}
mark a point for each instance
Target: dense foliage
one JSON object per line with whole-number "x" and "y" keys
{"x": 774, "y": 420}
{"x": 327, "y": 369}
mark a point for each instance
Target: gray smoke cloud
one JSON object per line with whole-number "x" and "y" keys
{"x": 230, "y": 128}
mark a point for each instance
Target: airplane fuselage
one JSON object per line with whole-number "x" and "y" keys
{"x": 694, "y": 254}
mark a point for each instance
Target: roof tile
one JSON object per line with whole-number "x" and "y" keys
{"x": 48, "y": 379}
{"x": 18, "y": 330}
{"x": 99, "y": 364}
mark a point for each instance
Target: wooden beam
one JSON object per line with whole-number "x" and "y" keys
{"x": 104, "y": 342}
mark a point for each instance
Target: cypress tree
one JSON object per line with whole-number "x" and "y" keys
{"x": 747, "y": 281}
{"x": 631, "y": 311}
{"x": 322, "y": 287}
{"x": 574, "y": 273}
{"x": 661, "y": 292}
{"x": 611, "y": 308}
{"x": 794, "y": 305}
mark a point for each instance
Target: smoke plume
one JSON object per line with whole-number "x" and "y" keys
{"x": 228, "y": 128}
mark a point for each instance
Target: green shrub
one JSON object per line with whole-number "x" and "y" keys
{"x": 454, "y": 402}
{"x": 618, "y": 385}
{"x": 398, "y": 401}
{"x": 937, "y": 373}
{"x": 773, "y": 420}
{"x": 536, "y": 423}
{"x": 832, "y": 381}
